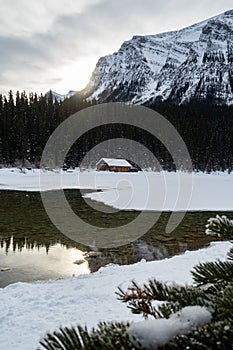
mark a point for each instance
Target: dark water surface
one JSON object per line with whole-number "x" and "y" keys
{"x": 31, "y": 248}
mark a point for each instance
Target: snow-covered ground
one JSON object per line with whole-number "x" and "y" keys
{"x": 28, "y": 311}
{"x": 142, "y": 190}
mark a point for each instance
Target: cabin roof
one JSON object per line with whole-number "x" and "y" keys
{"x": 115, "y": 162}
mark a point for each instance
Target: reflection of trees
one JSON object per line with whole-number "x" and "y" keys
{"x": 24, "y": 225}
{"x": 18, "y": 244}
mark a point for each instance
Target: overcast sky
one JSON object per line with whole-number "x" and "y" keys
{"x": 55, "y": 44}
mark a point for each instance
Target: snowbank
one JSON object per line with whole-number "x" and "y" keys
{"x": 28, "y": 311}
{"x": 136, "y": 191}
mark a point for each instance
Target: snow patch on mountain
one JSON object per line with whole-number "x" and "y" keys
{"x": 59, "y": 97}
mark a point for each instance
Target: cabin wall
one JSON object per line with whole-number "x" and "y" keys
{"x": 104, "y": 167}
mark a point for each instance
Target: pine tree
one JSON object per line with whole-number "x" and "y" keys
{"x": 212, "y": 291}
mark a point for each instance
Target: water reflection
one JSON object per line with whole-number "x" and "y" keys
{"x": 38, "y": 263}
{"x": 31, "y": 248}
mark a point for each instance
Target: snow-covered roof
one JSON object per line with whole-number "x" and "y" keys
{"x": 115, "y": 162}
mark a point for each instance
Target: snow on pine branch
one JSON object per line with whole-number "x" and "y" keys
{"x": 220, "y": 226}
{"x": 152, "y": 334}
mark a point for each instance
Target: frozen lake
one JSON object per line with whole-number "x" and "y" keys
{"x": 31, "y": 248}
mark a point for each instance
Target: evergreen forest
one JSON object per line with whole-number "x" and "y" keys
{"x": 28, "y": 120}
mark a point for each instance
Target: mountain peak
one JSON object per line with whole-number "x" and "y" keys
{"x": 60, "y": 97}
{"x": 194, "y": 63}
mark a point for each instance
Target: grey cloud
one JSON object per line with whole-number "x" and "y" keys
{"x": 103, "y": 27}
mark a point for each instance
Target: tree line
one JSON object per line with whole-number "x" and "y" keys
{"x": 207, "y": 130}
{"x": 27, "y": 121}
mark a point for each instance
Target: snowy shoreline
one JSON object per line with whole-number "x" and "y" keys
{"x": 132, "y": 191}
{"x": 29, "y": 310}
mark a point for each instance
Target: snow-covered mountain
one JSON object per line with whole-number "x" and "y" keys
{"x": 193, "y": 63}
{"x": 60, "y": 97}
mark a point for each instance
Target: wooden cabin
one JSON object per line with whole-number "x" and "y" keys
{"x": 116, "y": 165}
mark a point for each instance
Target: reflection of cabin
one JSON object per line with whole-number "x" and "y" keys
{"x": 117, "y": 165}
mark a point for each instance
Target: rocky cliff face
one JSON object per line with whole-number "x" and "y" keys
{"x": 195, "y": 63}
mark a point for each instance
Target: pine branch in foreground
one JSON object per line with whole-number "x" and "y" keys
{"x": 230, "y": 255}
{"x": 213, "y": 272}
{"x": 107, "y": 336}
{"x": 214, "y": 336}
{"x": 220, "y": 226}
{"x": 224, "y": 303}
{"x": 170, "y": 298}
